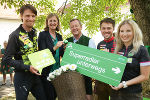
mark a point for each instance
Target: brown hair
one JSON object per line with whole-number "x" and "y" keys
{"x": 74, "y": 20}
{"x": 108, "y": 20}
{"x": 49, "y": 16}
{"x": 28, "y": 6}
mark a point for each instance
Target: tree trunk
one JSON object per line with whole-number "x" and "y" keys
{"x": 141, "y": 10}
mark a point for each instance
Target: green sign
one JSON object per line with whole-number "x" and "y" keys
{"x": 97, "y": 64}
{"x": 41, "y": 59}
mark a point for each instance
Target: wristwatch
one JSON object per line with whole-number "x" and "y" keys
{"x": 124, "y": 84}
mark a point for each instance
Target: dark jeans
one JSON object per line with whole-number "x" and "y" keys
{"x": 88, "y": 85}
{"x": 102, "y": 90}
{"x": 26, "y": 82}
{"x": 119, "y": 95}
{"x": 49, "y": 89}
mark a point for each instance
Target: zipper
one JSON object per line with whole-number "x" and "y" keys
{"x": 126, "y": 51}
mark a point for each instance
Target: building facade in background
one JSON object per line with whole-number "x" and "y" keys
{"x": 9, "y": 21}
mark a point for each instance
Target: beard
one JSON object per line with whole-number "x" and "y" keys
{"x": 107, "y": 35}
{"x": 30, "y": 25}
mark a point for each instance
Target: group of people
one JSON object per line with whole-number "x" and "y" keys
{"x": 127, "y": 42}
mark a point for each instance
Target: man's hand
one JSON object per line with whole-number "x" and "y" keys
{"x": 33, "y": 70}
{"x": 107, "y": 50}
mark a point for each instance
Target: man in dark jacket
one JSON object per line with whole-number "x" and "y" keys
{"x": 79, "y": 38}
{"x": 22, "y": 42}
{"x": 103, "y": 90}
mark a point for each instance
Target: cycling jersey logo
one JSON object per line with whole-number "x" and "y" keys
{"x": 28, "y": 46}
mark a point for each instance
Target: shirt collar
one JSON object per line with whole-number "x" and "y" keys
{"x": 75, "y": 40}
{"x": 112, "y": 38}
{"x": 22, "y": 29}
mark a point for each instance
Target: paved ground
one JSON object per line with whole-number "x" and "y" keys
{"x": 7, "y": 89}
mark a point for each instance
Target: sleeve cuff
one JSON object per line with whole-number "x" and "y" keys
{"x": 147, "y": 63}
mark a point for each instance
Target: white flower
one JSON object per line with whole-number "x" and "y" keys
{"x": 60, "y": 69}
{"x": 54, "y": 72}
{"x": 73, "y": 67}
{"x": 57, "y": 72}
{"x": 51, "y": 76}
{"x": 67, "y": 67}
{"x": 48, "y": 79}
{"x": 63, "y": 68}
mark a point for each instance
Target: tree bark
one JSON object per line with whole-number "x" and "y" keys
{"x": 141, "y": 10}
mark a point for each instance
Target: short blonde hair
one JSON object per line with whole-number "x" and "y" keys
{"x": 137, "y": 39}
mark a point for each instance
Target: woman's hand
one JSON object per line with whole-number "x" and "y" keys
{"x": 59, "y": 44}
{"x": 118, "y": 87}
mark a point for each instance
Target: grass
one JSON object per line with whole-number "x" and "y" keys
{"x": 146, "y": 98}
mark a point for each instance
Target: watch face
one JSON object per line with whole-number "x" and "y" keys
{"x": 124, "y": 84}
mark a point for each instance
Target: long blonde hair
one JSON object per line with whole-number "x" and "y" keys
{"x": 137, "y": 39}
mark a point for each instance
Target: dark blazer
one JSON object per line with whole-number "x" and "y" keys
{"x": 45, "y": 42}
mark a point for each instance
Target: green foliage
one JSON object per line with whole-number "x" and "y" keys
{"x": 89, "y": 12}
{"x": 44, "y": 7}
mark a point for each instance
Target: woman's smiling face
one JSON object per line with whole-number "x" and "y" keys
{"x": 52, "y": 23}
{"x": 126, "y": 34}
